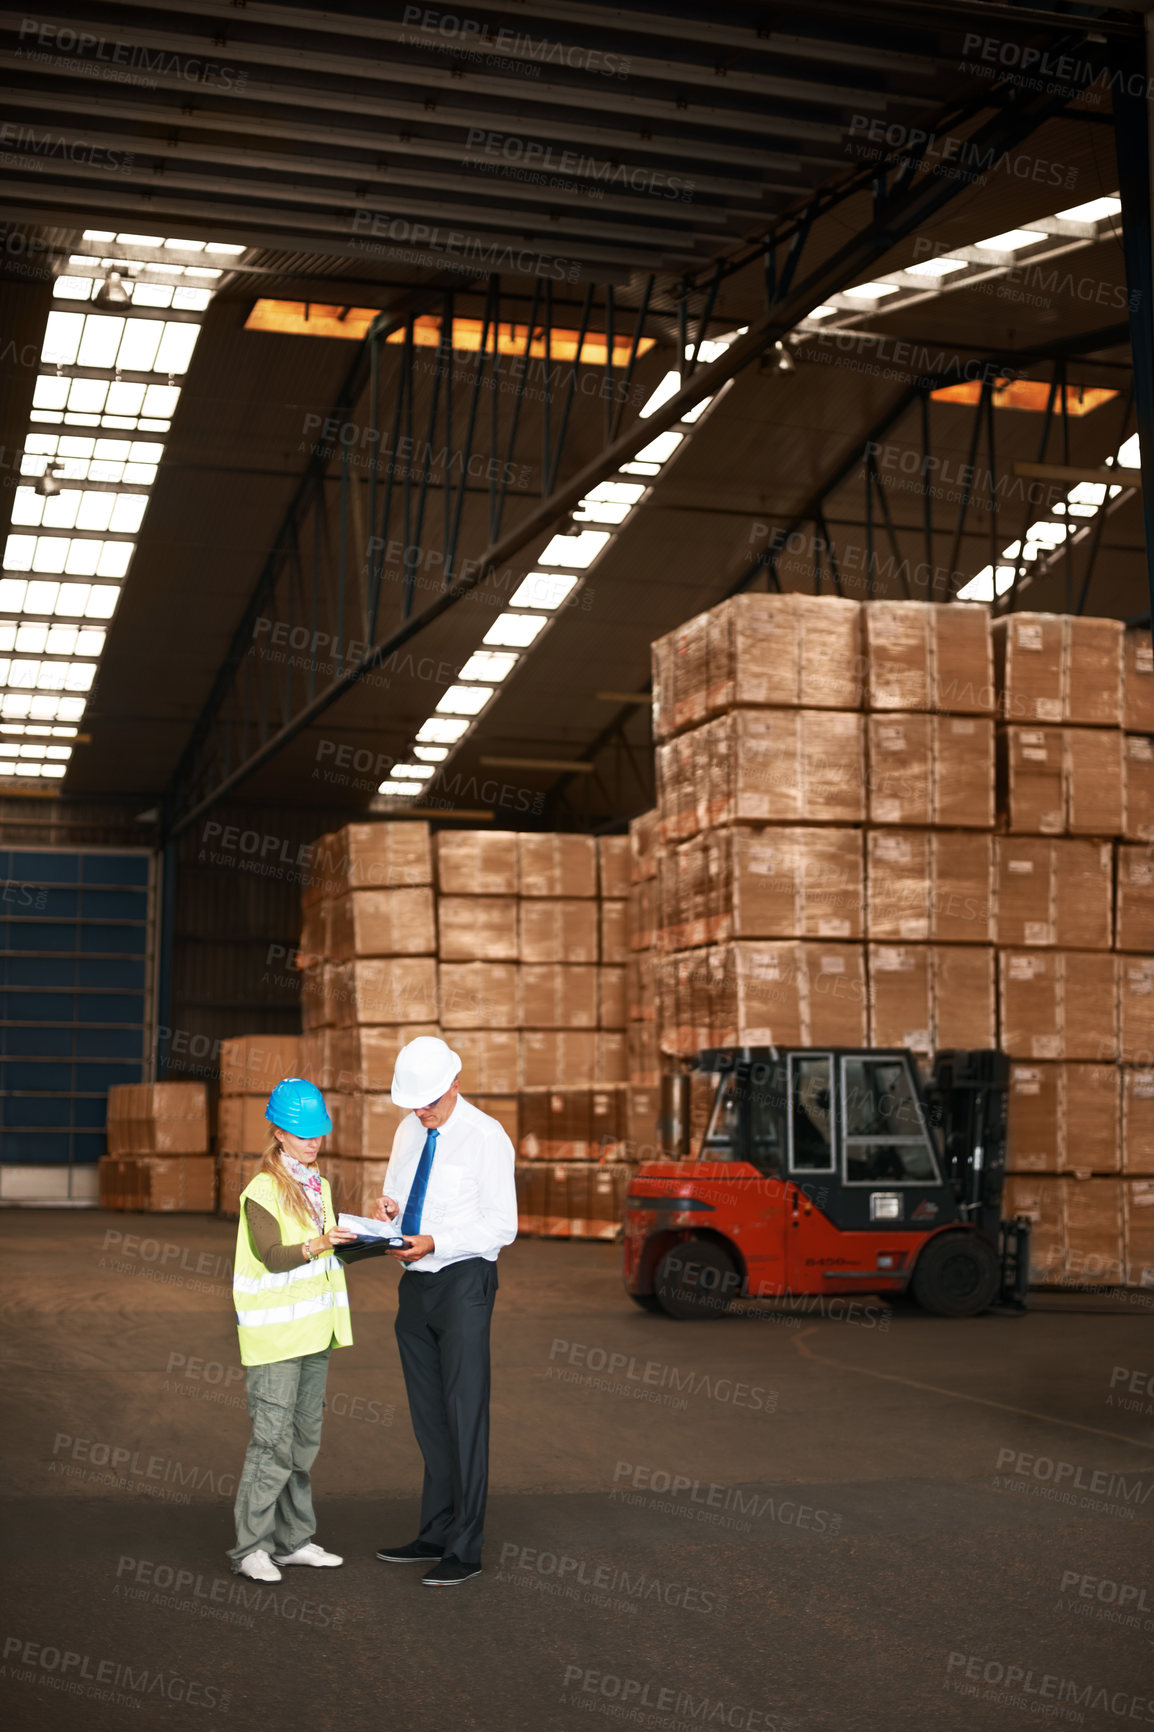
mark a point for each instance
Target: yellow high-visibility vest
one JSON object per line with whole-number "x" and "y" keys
{"x": 300, "y": 1311}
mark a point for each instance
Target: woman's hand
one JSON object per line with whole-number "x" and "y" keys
{"x": 329, "y": 1241}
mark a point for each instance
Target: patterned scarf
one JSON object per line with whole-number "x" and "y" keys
{"x": 309, "y": 1180}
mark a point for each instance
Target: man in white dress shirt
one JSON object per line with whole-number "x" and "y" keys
{"x": 450, "y": 1189}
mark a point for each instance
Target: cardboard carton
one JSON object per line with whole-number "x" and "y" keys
{"x": 369, "y": 856}
{"x": 1055, "y": 780}
{"x": 477, "y": 928}
{"x": 1063, "y": 1118}
{"x": 1134, "y": 927}
{"x": 1054, "y": 892}
{"x": 931, "y": 884}
{"x": 553, "y": 864}
{"x": 253, "y": 1064}
{"x": 476, "y": 863}
{"x": 1058, "y": 1004}
{"x": 614, "y": 874}
{"x": 397, "y": 922}
{"x": 479, "y": 995}
{"x": 930, "y": 769}
{"x": 926, "y": 655}
{"x": 930, "y": 997}
{"x": 1138, "y": 683}
{"x": 1137, "y": 1121}
{"x": 554, "y": 930}
{"x": 1059, "y": 668}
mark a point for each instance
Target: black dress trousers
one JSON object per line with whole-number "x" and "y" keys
{"x": 443, "y": 1335}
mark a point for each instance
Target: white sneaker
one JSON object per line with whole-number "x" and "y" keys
{"x": 260, "y": 1567}
{"x": 311, "y": 1554}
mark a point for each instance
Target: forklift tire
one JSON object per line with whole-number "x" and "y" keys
{"x": 957, "y": 1275}
{"x": 696, "y": 1281}
{"x": 647, "y": 1301}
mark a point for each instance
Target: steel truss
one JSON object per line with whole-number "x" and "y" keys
{"x": 315, "y": 578}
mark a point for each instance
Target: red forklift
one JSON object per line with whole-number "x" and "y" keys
{"x": 830, "y": 1172}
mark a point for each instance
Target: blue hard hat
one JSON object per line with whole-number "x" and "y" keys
{"x": 298, "y": 1106}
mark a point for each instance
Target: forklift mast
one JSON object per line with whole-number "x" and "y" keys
{"x": 967, "y": 1097}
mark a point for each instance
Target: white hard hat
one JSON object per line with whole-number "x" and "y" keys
{"x": 423, "y": 1071}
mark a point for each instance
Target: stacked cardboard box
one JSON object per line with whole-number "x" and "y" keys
{"x": 157, "y": 1119}
{"x": 570, "y": 1199}
{"x": 1075, "y": 975}
{"x": 158, "y": 1184}
{"x": 513, "y": 946}
{"x": 982, "y": 836}
{"x": 250, "y": 1068}
{"x": 158, "y": 1156}
{"x": 785, "y": 813}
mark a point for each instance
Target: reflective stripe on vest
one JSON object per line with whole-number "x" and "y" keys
{"x": 316, "y": 1314}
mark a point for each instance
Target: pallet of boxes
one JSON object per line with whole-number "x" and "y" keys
{"x": 571, "y": 907}
{"x": 1076, "y": 942}
{"x": 158, "y": 1159}
{"x": 506, "y": 947}
{"x": 888, "y": 823}
{"x": 250, "y": 1067}
{"x": 369, "y": 984}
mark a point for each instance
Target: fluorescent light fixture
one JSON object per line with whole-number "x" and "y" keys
{"x": 413, "y": 772}
{"x": 494, "y": 665}
{"x": 546, "y": 589}
{"x": 1012, "y": 241}
{"x": 822, "y": 312}
{"x": 441, "y": 731}
{"x": 610, "y": 501}
{"x": 578, "y": 550}
{"x": 431, "y": 754}
{"x": 668, "y": 386}
{"x": 699, "y": 409}
{"x": 1129, "y": 454}
{"x": 465, "y": 700}
{"x": 515, "y": 629}
{"x": 986, "y": 583}
{"x": 636, "y": 468}
{"x": 942, "y": 267}
{"x": 660, "y": 449}
{"x": 406, "y": 788}
{"x": 98, "y": 235}
{"x": 1093, "y": 211}
{"x": 871, "y": 291}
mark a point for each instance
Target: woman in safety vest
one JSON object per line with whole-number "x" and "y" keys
{"x": 291, "y": 1310}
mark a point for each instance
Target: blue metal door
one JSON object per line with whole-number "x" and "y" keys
{"x": 76, "y": 1010}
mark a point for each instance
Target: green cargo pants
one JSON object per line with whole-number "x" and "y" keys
{"x": 274, "y": 1501}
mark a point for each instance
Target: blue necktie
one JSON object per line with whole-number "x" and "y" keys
{"x": 411, "y": 1219}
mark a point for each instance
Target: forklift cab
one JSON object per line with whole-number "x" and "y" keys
{"x": 830, "y": 1171}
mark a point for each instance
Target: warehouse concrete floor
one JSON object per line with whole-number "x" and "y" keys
{"x": 805, "y": 1522}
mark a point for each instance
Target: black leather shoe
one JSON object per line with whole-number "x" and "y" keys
{"x": 418, "y": 1552}
{"x": 449, "y": 1573}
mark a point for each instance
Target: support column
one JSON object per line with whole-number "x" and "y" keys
{"x": 1132, "y": 134}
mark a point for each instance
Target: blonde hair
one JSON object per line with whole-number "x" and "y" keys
{"x": 289, "y": 1193}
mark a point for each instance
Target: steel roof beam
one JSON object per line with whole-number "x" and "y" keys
{"x": 500, "y": 90}
{"x": 247, "y": 205}
{"x": 752, "y": 38}
{"x": 687, "y": 147}
{"x": 155, "y": 114}
{"x": 907, "y": 205}
{"x": 540, "y": 223}
{"x": 395, "y": 32}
